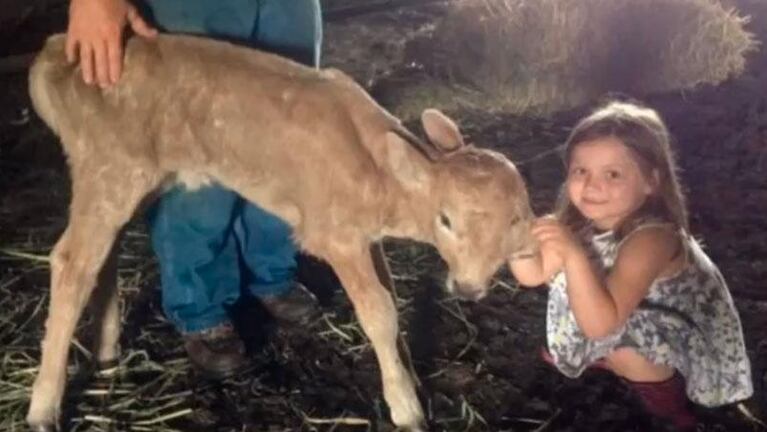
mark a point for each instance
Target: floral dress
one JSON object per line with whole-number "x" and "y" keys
{"x": 687, "y": 321}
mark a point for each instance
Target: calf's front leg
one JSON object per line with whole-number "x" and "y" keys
{"x": 378, "y": 317}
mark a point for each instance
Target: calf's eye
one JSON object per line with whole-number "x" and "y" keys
{"x": 445, "y": 221}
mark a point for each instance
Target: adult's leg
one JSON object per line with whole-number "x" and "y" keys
{"x": 268, "y": 250}
{"x": 292, "y": 29}
{"x": 192, "y": 236}
{"x": 192, "y": 232}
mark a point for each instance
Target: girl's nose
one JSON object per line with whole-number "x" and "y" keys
{"x": 591, "y": 182}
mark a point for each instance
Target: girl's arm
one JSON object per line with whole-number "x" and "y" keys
{"x": 601, "y": 307}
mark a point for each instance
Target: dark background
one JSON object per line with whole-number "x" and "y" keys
{"x": 478, "y": 362}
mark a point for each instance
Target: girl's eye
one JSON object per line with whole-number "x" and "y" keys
{"x": 613, "y": 175}
{"x": 445, "y": 221}
{"x": 577, "y": 172}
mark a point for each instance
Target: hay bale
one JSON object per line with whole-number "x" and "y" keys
{"x": 546, "y": 55}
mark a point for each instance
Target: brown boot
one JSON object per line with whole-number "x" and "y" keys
{"x": 296, "y": 307}
{"x": 666, "y": 400}
{"x": 218, "y": 352}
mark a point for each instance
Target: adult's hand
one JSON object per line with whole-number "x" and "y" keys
{"x": 95, "y": 35}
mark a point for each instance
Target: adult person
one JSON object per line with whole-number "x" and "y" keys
{"x": 211, "y": 244}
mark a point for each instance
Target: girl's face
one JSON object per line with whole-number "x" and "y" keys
{"x": 605, "y": 182}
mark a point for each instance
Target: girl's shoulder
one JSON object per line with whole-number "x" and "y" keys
{"x": 642, "y": 222}
{"x": 657, "y": 236}
{"x": 654, "y": 228}
{"x": 644, "y": 227}
{"x": 658, "y": 241}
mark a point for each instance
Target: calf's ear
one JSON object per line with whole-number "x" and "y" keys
{"x": 408, "y": 166}
{"x": 442, "y": 131}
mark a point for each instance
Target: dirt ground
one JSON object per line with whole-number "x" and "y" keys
{"x": 477, "y": 362}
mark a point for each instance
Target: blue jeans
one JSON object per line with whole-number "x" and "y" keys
{"x": 211, "y": 244}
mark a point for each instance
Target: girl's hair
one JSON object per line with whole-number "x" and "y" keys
{"x": 643, "y": 132}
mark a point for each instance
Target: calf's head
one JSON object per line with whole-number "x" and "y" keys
{"x": 475, "y": 206}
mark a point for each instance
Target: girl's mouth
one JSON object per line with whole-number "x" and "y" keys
{"x": 590, "y": 201}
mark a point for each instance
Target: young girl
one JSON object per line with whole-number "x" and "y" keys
{"x": 631, "y": 290}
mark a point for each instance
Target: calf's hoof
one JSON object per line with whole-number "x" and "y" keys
{"x": 40, "y": 420}
{"x": 404, "y": 407}
{"x": 42, "y": 427}
{"x": 415, "y": 428}
{"x": 410, "y": 420}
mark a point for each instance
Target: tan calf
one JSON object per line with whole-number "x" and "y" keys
{"x": 310, "y": 146}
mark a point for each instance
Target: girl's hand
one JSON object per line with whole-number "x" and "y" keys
{"x": 539, "y": 267}
{"x": 555, "y": 238}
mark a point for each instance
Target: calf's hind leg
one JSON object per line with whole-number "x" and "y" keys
{"x": 103, "y": 200}
{"x": 105, "y": 306}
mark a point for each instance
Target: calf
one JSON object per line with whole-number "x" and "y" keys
{"x": 308, "y": 145}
